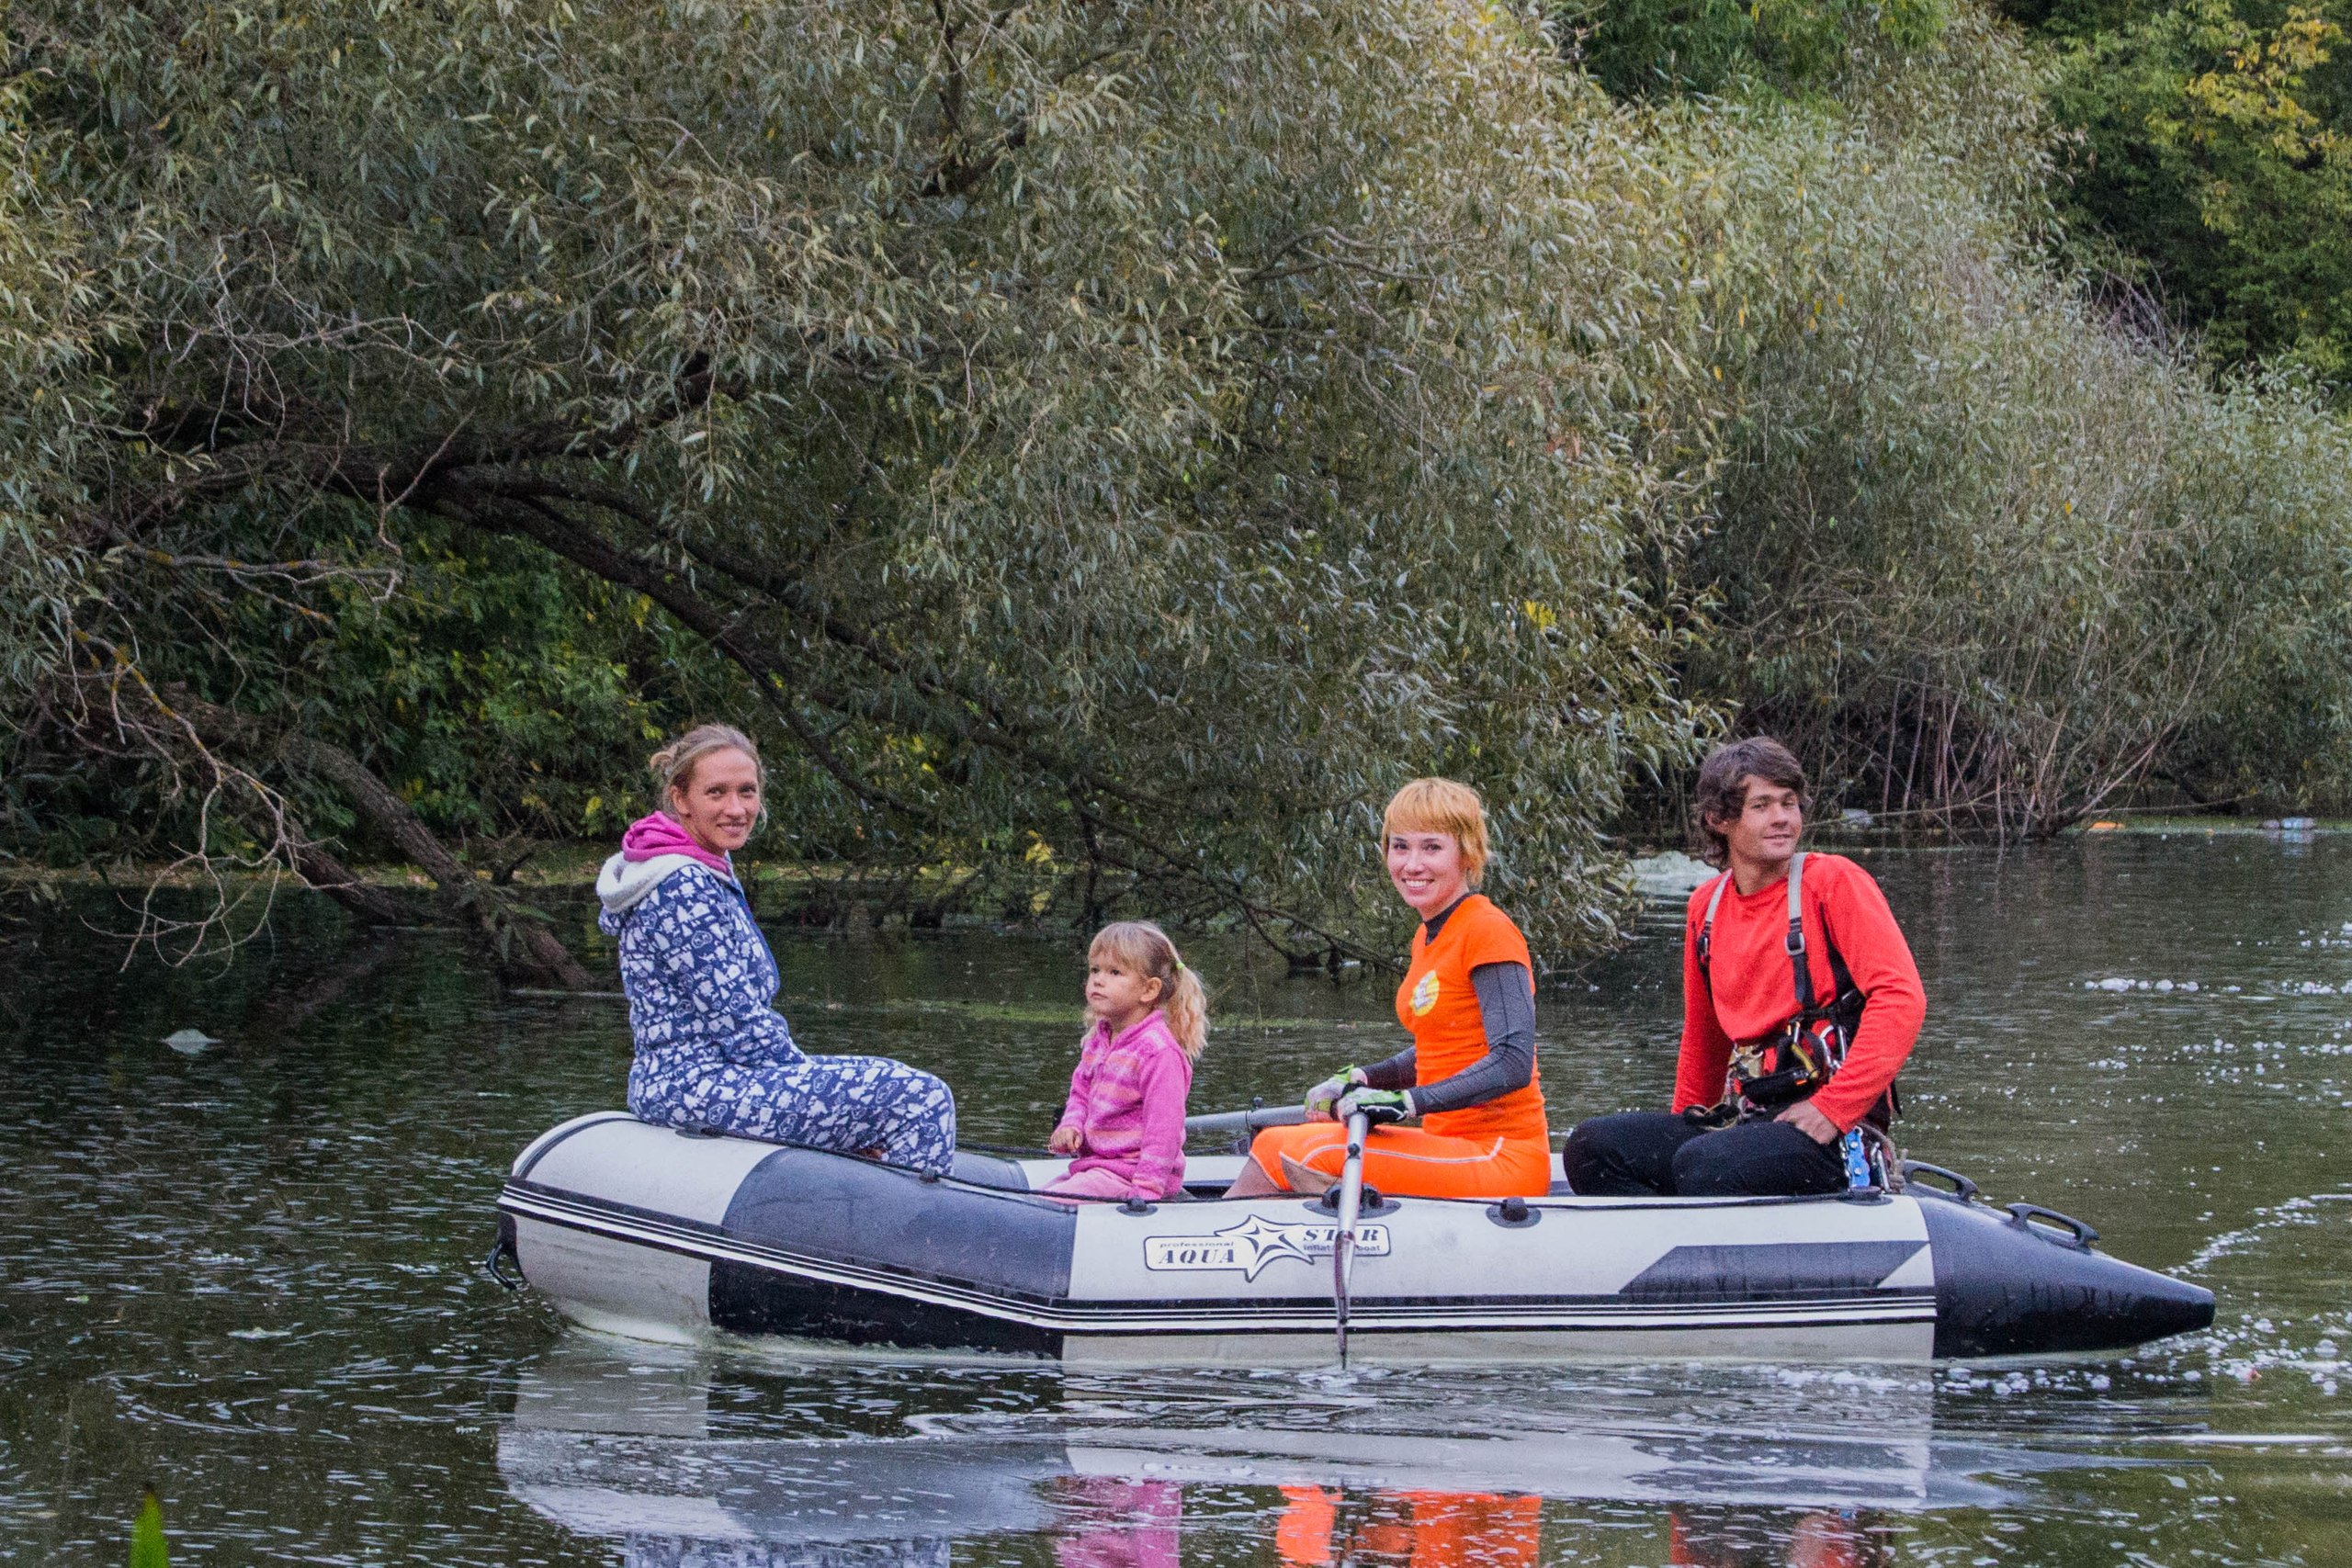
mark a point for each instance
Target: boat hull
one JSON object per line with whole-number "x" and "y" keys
{"x": 643, "y": 1231}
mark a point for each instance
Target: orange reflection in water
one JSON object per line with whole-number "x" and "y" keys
{"x": 1425, "y": 1529}
{"x": 1139, "y": 1524}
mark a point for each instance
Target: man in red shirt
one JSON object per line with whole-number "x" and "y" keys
{"x": 1800, "y": 1002}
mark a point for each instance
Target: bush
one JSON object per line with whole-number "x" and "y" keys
{"x": 1983, "y": 556}
{"x": 1148, "y": 429}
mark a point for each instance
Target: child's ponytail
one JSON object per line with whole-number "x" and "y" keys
{"x": 1187, "y": 1008}
{"x": 1143, "y": 948}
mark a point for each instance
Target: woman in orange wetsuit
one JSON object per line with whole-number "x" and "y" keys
{"x": 1468, "y": 999}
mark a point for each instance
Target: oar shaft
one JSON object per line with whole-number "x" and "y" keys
{"x": 1343, "y": 1235}
{"x": 1246, "y": 1121}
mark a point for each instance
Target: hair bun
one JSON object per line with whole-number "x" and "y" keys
{"x": 673, "y": 767}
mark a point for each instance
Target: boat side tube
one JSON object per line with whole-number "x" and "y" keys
{"x": 883, "y": 1256}
{"x": 648, "y": 1231}
{"x": 661, "y": 1234}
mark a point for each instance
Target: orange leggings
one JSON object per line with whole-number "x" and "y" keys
{"x": 1413, "y": 1162}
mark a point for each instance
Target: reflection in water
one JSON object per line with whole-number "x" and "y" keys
{"x": 668, "y": 1454}
{"x": 626, "y": 1450}
{"x": 1427, "y": 1530}
{"x": 1110, "y": 1522}
{"x": 1818, "y": 1541}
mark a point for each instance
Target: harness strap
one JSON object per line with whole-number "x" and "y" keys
{"x": 1796, "y": 935}
{"x": 1707, "y": 928}
{"x": 1806, "y": 1003}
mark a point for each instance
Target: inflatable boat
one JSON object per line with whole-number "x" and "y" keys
{"x": 658, "y": 1234}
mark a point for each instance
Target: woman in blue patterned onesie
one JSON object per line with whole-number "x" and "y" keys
{"x": 711, "y": 1049}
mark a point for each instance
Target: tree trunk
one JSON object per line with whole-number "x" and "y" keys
{"x": 331, "y": 877}
{"x": 525, "y": 949}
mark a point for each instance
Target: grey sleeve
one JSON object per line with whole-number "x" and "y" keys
{"x": 1397, "y": 1072}
{"x": 1506, "y": 1007}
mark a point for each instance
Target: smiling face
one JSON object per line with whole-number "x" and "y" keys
{"x": 1764, "y": 835}
{"x": 1426, "y": 866}
{"x": 719, "y": 804}
{"x": 1117, "y": 994}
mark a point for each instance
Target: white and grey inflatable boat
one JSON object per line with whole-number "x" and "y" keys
{"x": 652, "y": 1232}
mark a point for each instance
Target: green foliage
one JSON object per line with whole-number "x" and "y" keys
{"x": 2217, "y": 151}
{"x": 52, "y": 320}
{"x": 1662, "y": 48}
{"x": 1125, "y": 438}
{"x": 1158, "y": 429}
{"x": 1981, "y": 555}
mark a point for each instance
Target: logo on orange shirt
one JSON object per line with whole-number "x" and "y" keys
{"x": 1425, "y": 994}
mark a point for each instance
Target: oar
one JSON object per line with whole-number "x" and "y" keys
{"x": 1343, "y": 1239}
{"x": 1248, "y": 1121}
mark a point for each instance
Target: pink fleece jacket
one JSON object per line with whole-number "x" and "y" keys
{"x": 1126, "y": 1105}
{"x": 659, "y": 834}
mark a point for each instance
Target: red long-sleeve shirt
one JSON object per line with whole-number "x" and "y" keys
{"x": 1754, "y": 990}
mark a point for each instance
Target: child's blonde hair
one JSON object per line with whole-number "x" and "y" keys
{"x": 1141, "y": 946}
{"x": 1441, "y": 805}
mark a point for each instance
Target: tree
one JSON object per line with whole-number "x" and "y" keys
{"x": 1990, "y": 558}
{"x": 1153, "y": 428}
{"x": 1660, "y": 49}
{"x": 2217, "y": 152}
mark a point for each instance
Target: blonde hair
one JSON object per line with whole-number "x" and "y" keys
{"x": 1143, "y": 947}
{"x": 1441, "y": 805}
{"x": 673, "y": 766}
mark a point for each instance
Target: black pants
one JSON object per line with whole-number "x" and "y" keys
{"x": 1646, "y": 1154}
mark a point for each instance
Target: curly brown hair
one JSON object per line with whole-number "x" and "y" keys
{"x": 1723, "y": 787}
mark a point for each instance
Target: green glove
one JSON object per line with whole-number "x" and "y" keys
{"x": 1321, "y": 1098}
{"x": 1380, "y": 1106}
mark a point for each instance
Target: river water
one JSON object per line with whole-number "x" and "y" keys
{"x": 247, "y": 1273}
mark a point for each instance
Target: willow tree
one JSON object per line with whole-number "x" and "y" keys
{"x": 1133, "y": 434}
{"x": 1992, "y": 559}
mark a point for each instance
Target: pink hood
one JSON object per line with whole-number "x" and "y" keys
{"x": 654, "y": 850}
{"x": 650, "y": 836}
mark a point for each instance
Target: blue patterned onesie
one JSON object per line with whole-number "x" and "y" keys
{"x": 713, "y": 1051}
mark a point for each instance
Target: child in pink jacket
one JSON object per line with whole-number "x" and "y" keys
{"x": 1125, "y": 1120}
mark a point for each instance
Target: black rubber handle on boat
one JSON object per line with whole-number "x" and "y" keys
{"x": 495, "y": 1265}
{"x": 1961, "y": 1188}
{"x": 2022, "y": 1216}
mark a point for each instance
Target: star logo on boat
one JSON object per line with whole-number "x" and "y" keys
{"x": 1257, "y": 1241}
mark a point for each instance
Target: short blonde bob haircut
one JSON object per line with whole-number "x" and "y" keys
{"x": 1441, "y": 805}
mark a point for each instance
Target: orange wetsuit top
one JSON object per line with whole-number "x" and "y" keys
{"x": 1437, "y": 1004}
